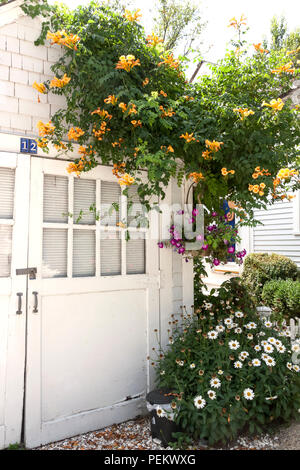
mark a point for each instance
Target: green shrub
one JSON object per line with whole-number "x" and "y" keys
{"x": 260, "y": 268}
{"x": 241, "y": 379}
{"x": 283, "y": 297}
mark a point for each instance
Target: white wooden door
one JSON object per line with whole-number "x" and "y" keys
{"x": 91, "y": 322}
{"x": 14, "y": 203}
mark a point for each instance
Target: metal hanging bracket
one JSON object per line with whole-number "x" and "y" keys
{"x": 31, "y": 271}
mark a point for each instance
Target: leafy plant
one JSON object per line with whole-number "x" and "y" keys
{"x": 128, "y": 104}
{"x": 260, "y": 268}
{"x": 283, "y": 297}
{"x": 229, "y": 370}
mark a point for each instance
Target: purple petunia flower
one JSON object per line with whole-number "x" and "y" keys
{"x": 204, "y": 247}
{"x": 181, "y": 250}
{"x": 216, "y": 262}
{"x": 180, "y": 212}
{"x": 225, "y": 241}
{"x": 173, "y": 242}
{"x": 160, "y": 244}
{"x": 195, "y": 212}
{"x": 176, "y": 235}
{"x": 231, "y": 249}
{"x": 191, "y": 220}
{"x": 200, "y": 237}
{"x": 214, "y": 214}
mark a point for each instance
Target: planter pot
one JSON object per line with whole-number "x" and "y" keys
{"x": 162, "y": 427}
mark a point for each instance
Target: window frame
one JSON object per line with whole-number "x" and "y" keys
{"x": 99, "y": 228}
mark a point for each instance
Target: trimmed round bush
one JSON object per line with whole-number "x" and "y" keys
{"x": 260, "y": 268}
{"x": 283, "y": 297}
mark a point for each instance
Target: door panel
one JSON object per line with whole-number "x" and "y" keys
{"x": 97, "y": 308}
{"x": 14, "y": 204}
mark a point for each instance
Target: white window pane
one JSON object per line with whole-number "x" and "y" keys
{"x": 7, "y": 187}
{"x": 135, "y": 214}
{"x": 135, "y": 254}
{"x": 5, "y": 250}
{"x": 55, "y": 198}
{"x": 110, "y": 193}
{"x": 84, "y": 253}
{"x": 110, "y": 253}
{"x": 55, "y": 251}
{"x": 84, "y": 199}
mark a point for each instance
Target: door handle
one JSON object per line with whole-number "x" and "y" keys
{"x": 35, "y": 307}
{"x": 19, "y": 311}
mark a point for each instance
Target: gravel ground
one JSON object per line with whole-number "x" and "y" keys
{"x": 135, "y": 435}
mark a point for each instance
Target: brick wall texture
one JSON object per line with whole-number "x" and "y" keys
{"x": 22, "y": 63}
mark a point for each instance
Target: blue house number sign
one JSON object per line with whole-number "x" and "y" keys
{"x": 28, "y": 145}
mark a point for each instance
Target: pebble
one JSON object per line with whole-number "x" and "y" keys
{"x": 135, "y": 435}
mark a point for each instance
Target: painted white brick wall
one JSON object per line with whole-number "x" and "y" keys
{"x": 21, "y": 64}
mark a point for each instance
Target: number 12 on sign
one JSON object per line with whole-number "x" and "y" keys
{"x": 28, "y": 145}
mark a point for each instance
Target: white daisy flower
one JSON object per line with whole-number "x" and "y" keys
{"x": 289, "y": 365}
{"x": 192, "y": 366}
{"x": 212, "y": 395}
{"x": 256, "y": 362}
{"x": 215, "y": 383}
{"x": 238, "y": 364}
{"x": 220, "y": 372}
{"x": 268, "y": 324}
{"x": 250, "y": 336}
{"x": 257, "y": 347}
{"x": 234, "y": 344}
{"x": 272, "y": 340}
{"x": 162, "y": 372}
{"x": 239, "y": 314}
{"x": 268, "y": 348}
{"x": 199, "y": 402}
{"x": 270, "y": 361}
{"x": 295, "y": 347}
{"x": 264, "y": 356}
{"x": 281, "y": 349}
{"x": 252, "y": 325}
{"x": 160, "y": 412}
{"x": 263, "y": 343}
{"x": 296, "y": 368}
{"x": 245, "y": 353}
{"x": 248, "y": 394}
{"x": 238, "y": 330}
{"x": 272, "y": 398}
{"x": 180, "y": 363}
{"x": 262, "y": 333}
{"x": 228, "y": 321}
{"x": 220, "y": 328}
{"x": 212, "y": 334}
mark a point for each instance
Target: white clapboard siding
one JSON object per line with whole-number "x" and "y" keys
{"x": 276, "y": 233}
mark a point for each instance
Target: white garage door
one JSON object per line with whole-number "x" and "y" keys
{"x": 92, "y": 308}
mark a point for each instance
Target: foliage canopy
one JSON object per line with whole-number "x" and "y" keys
{"x": 129, "y": 104}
